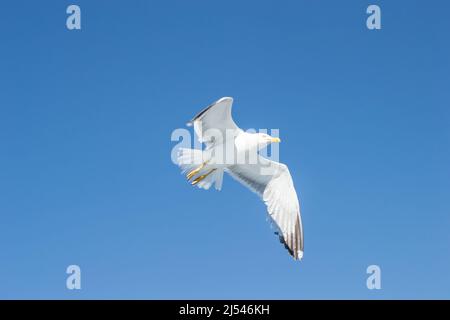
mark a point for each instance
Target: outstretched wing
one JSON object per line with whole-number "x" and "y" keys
{"x": 212, "y": 123}
{"x": 273, "y": 183}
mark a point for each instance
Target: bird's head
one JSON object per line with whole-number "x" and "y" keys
{"x": 264, "y": 140}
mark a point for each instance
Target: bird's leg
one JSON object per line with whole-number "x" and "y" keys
{"x": 195, "y": 171}
{"x": 198, "y": 179}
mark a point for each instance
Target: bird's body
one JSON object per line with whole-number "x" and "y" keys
{"x": 230, "y": 149}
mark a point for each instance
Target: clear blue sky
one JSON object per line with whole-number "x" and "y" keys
{"x": 85, "y": 170}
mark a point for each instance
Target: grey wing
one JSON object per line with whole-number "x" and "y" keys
{"x": 212, "y": 123}
{"x": 272, "y": 181}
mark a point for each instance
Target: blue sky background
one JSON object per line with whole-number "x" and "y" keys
{"x": 85, "y": 170}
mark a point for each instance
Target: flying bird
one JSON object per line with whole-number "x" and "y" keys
{"x": 230, "y": 149}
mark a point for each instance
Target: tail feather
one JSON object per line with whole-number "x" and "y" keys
{"x": 190, "y": 159}
{"x": 218, "y": 178}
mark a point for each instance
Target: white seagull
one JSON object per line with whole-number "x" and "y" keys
{"x": 271, "y": 180}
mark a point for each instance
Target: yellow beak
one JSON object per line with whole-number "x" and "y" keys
{"x": 277, "y": 140}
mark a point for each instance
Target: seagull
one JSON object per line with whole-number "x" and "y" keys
{"x": 230, "y": 149}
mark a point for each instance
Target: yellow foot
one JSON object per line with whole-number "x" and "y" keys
{"x": 198, "y": 179}
{"x": 195, "y": 171}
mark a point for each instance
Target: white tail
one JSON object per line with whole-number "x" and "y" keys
{"x": 190, "y": 160}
